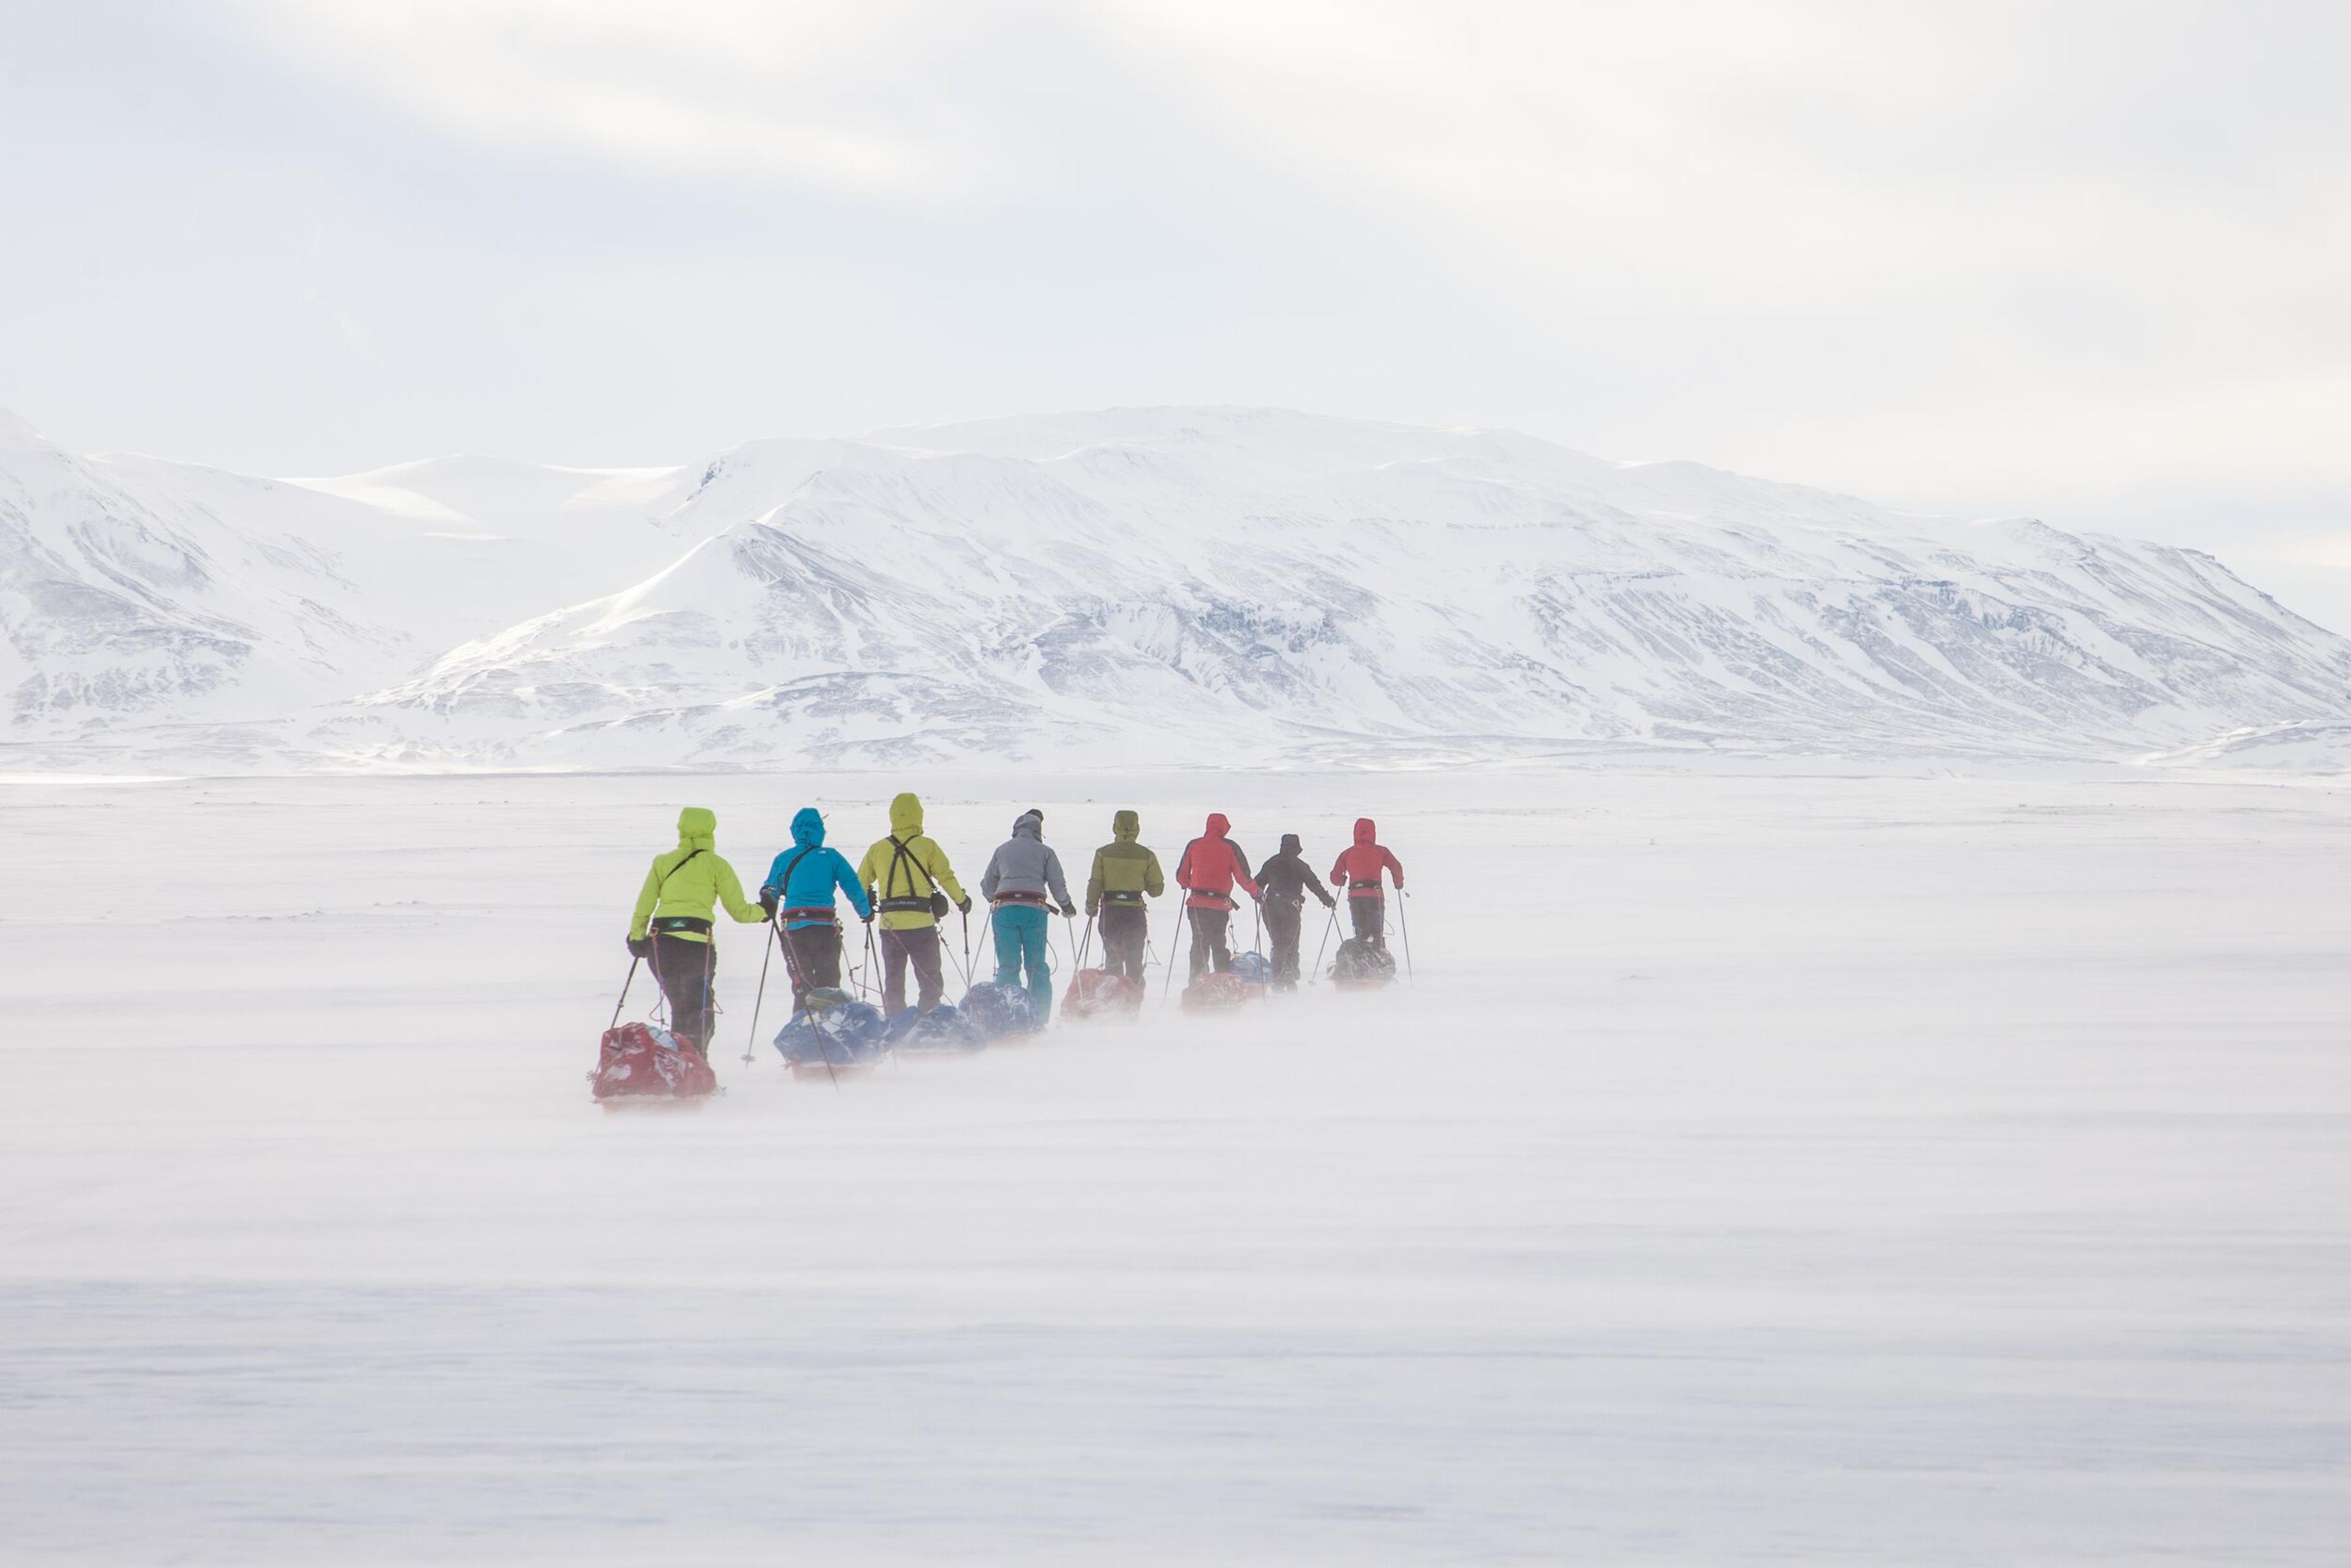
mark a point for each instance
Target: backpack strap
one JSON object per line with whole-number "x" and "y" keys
{"x": 784, "y": 883}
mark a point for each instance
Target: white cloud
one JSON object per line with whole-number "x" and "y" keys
{"x": 2049, "y": 241}
{"x": 758, "y": 88}
{"x": 2037, "y": 254}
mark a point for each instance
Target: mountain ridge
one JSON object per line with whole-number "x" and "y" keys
{"x": 1167, "y": 585}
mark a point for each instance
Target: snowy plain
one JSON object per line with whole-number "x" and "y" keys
{"x": 1761, "y": 1168}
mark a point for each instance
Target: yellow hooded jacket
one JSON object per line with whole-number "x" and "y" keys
{"x": 690, "y": 880}
{"x": 906, "y": 865}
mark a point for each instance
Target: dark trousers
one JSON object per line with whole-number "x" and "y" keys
{"x": 815, "y": 955}
{"x": 1125, "y": 937}
{"x": 1281, "y": 923}
{"x": 1208, "y": 942}
{"x": 683, "y": 968}
{"x": 1370, "y": 913}
{"x": 917, "y": 946}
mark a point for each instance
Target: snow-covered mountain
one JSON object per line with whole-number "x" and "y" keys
{"x": 1209, "y": 586}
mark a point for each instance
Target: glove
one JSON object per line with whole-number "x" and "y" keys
{"x": 641, "y": 946}
{"x": 963, "y": 904}
{"x": 867, "y": 917}
{"x": 766, "y": 904}
{"x": 1069, "y": 911}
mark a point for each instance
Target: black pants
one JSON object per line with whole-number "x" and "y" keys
{"x": 1281, "y": 923}
{"x": 815, "y": 955}
{"x": 917, "y": 946}
{"x": 683, "y": 968}
{"x": 1126, "y": 936}
{"x": 1370, "y": 913}
{"x": 1208, "y": 942}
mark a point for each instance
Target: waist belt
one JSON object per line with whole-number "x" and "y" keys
{"x": 1122, "y": 896}
{"x": 824, "y": 917}
{"x": 1035, "y": 899}
{"x": 905, "y": 906}
{"x": 1364, "y": 889}
{"x": 1227, "y": 899}
{"x": 676, "y": 923}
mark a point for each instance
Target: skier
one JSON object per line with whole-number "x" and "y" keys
{"x": 1124, "y": 871}
{"x": 802, "y": 882}
{"x": 1020, "y": 876}
{"x": 1283, "y": 884}
{"x": 1212, "y": 864}
{"x": 911, "y": 882}
{"x": 1358, "y": 869}
{"x": 671, "y": 926}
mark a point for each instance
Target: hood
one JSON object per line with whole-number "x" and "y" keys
{"x": 906, "y": 815}
{"x": 1029, "y": 825}
{"x": 697, "y": 829}
{"x": 1367, "y": 832}
{"x": 1218, "y": 824}
{"x": 1127, "y": 826}
{"x": 1290, "y": 844}
{"x": 808, "y": 828}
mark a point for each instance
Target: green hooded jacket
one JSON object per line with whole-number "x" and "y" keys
{"x": 691, "y": 879}
{"x": 1123, "y": 866}
{"x": 907, "y": 865}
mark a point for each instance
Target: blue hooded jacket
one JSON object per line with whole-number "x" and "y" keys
{"x": 804, "y": 875}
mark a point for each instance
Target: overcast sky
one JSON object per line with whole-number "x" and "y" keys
{"x": 2084, "y": 261}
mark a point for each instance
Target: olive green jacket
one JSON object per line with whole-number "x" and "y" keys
{"x": 1123, "y": 866}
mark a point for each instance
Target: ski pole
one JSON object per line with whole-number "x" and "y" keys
{"x": 873, "y": 963}
{"x": 1405, "y": 926}
{"x": 1325, "y": 946}
{"x": 625, "y": 994}
{"x": 760, "y": 998}
{"x": 963, "y": 966}
{"x": 1174, "y": 938}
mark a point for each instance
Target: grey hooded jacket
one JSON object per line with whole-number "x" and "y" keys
{"x": 1023, "y": 863}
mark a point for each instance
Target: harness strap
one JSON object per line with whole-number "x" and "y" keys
{"x": 902, "y": 854}
{"x": 824, "y": 916}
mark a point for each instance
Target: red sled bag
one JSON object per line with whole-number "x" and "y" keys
{"x": 1096, "y": 992}
{"x": 645, "y": 1059}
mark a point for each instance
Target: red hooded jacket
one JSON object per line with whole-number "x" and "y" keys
{"x": 1358, "y": 864}
{"x": 1212, "y": 864}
